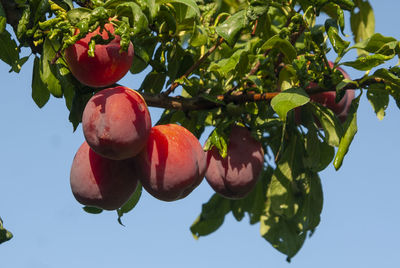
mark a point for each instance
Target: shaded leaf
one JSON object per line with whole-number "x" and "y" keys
{"x": 4, "y": 234}
{"x": 283, "y": 45}
{"x": 319, "y": 153}
{"x": 379, "y": 99}
{"x": 9, "y": 51}
{"x": 92, "y": 210}
{"x": 190, "y": 3}
{"x": 49, "y": 72}
{"x": 294, "y": 202}
{"x": 137, "y": 18}
{"x": 131, "y": 203}
{"x": 332, "y": 128}
{"x": 282, "y": 234}
{"x": 3, "y": 19}
{"x": 211, "y": 217}
{"x": 40, "y": 94}
{"x": 78, "y": 105}
{"x": 199, "y": 36}
{"x": 154, "y": 82}
{"x": 253, "y": 203}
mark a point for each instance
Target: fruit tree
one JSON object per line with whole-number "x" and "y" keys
{"x": 267, "y": 77}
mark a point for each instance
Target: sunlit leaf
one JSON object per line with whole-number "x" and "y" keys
{"x": 288, "y": 100}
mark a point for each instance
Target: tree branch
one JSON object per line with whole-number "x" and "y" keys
{"x": 201, "y": 103}
{"x": 239, "y": 97}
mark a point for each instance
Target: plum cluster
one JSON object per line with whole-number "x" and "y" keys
{"x": 122, "y": 148}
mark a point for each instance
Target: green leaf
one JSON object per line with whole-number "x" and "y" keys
{"x": 92, "y": 210}
{"x": 366, "y": 63}
{"x": 363, "y": 22}
{"x": 190, "y": 3}
{"x": 345, "y": 4}
{"x": 329, "y": 122}
{"x": 377, "y": 43}
{"x": 9, "y": 51}
{"x": 144, "y": 49}
{"x": 280, "y": 195}
{"x": 335, "y": 12}
{"x": 153, "y": 83}
{"x": 40, "y": 94}
{"x": 3, "y": 19}
{"x": 138, "y": 65}
{"x": 319, "y": 154}
{"x": 282, "y": 234}
{"x": 199, "y": 36}
{"x": 78, "y": 105}
{"x": 389, "y": 76}
{"x": 251, "y": 108}
{"x": 238, "y": 63}
{"x": 137, "y": 18}
{"x": 287, "y": 78}
{"x": 310, "y": 210}
{"x": 4, "y": 234}
{"x": 288, "y": 100}
{"x": 218, "y": 138}
{"x": 285, "y": 47}
{"x": 211, "y": 217}
{"x": 67, "y": 81}
{"x": 42, "y": 7}
{"x": 66, "y": 4}
{"x": 379, "y": 99}
{"x": 231, "y": 27}
{"x": 253, "y": 203}
{"x": 131, "y": 203}
{"x": 77, "y": 14}
{"x": 49, "y": 72}
{"x": 350, "y": 132}
{"x": 338, "y": 44}
{"x": 294, "y": 202}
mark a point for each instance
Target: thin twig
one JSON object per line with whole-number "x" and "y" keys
{"x": 194, "y": 67}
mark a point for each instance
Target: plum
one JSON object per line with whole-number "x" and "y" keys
{"x": 171, "y": 163}
{"x": 235, "y": 175}
{"x": 108, "y": 65}
{"x": 116, "y": 123}
{"x": 101, "y": 182}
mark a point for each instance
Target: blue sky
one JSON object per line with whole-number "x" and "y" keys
{"x": 359, "y": 223}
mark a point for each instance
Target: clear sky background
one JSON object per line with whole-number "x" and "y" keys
{"x": 359, "y": 224}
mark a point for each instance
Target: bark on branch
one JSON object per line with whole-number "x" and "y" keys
{"x": 238, "y": 97}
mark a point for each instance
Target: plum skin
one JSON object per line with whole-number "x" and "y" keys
{"x": 106, "y": 67}
{"x": 169, "y": 163}
{"x": 101, "y": 182}
{"x": 235, "y": 175}
{"x": 116, "y": 123}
